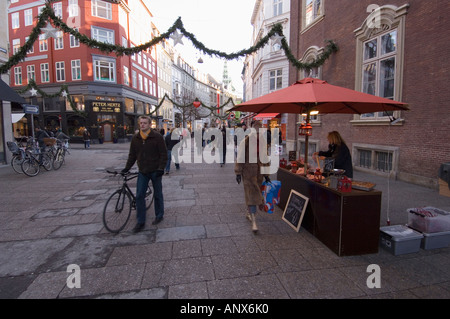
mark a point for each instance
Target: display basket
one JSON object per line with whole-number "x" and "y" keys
{"x": 49, "y": 141}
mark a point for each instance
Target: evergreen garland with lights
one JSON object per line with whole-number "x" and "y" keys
{"x": 48, "y": 14}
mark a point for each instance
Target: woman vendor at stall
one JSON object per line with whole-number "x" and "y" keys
{"x": 338, "y": 150}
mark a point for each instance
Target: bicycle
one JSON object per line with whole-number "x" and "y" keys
{"x": 18, "y": 156}
{"x": 59, "y": 154}
{"x": 33, "y": 161}
{"x": 117, "y": 210}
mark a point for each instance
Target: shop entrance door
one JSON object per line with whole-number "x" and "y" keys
{"x": 107, "y": 131}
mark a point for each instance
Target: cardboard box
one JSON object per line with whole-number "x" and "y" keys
{"x": 428, "y": 219}
{"x": 435, "y": 240}
{"x": 443, "y": 188}
{"x": 400, "y": 239}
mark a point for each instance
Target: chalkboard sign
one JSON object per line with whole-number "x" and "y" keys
{"x": 295, "y": 209}
{"x": 292, "y": 156}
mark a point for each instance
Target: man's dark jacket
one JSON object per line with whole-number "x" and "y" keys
{"x": 150, "y": 154}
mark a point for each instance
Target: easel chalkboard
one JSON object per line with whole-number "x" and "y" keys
{"x": 295, "y": 209}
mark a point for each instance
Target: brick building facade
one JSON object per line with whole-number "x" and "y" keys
{"x": 111, "y": 91}
{"x": 396, "y": 49}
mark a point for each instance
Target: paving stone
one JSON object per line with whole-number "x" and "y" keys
{"x": 180, "y": 233}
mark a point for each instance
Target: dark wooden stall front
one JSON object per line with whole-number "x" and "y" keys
{"x": 347, "y": 223}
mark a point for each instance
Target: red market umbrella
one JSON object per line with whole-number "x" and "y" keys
{"x": 313, "y": 94}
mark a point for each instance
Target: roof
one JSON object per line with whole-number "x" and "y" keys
{"x": 8, "y": 94}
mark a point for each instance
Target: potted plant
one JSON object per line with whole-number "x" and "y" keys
{"x": 100, "y": 137}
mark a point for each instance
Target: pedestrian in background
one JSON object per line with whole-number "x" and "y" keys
{"x": 249, "y": 172}
{"x": 86, "y": 138}
{"x": 170, "y": 143}
{"x": 148, "y": 149}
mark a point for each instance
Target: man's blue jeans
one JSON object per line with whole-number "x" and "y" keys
{"x": 141, "y": 188}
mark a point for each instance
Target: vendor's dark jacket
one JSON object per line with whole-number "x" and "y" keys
{"x": 150, "y": 154}
{"x": 341, "y": 156}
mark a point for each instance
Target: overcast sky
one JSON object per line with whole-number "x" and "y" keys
{"x": 219, "y": 24}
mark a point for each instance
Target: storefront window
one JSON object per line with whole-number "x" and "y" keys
{"x": 129, "y": 105}
{"x": 76, "y": 125}
{"x": 139, "y": 107}
{"x": 77, "y": 101}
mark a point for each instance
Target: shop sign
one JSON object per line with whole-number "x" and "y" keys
{"x": 106, "y": 106}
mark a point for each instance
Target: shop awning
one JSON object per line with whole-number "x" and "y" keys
{"x": 266, "y": 116}
{"x": 16, "y": 117}
{"x": 8, "y": 94}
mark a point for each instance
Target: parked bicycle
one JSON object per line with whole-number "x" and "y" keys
{"x": 34, "y": 159}
{"x": 59, "y": 153}
{"x": 117, "y": 210}
{"x": 18, "y": 156}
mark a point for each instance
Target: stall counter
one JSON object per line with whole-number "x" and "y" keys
{"x": 346, "y": 222}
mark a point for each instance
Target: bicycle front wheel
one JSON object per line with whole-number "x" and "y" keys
{"x": 58, "y": 160}
{"x": 117, "y": 211}
{"x": 30, "y": 167}
{"x": 47, "y": 161}
{"x": 16, "y": 163}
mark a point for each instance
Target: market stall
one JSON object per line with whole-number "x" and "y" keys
{"x": 347, "y": 222}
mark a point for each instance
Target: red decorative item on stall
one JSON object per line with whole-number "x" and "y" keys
{"x": 318, "y": 175}
{"x": 283, "y": 163}
{"x": 294, "y": 167}
{"x": 345, "y": 184}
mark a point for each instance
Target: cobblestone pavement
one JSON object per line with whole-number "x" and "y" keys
{"x": 204, "y": 247}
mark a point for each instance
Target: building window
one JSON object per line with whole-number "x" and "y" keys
{"x": 104, "y": 70}
{"x": 73, "y": 8}
{"x": 31, "y": 51}
{"x": 379, "y": 56}
{"x": 43, "y": 43}
{"x": 76, "y": 70}
{"x": 15, "y": 23}
{"x": 60, "y": 71}
{"x": 310, "y": 55}
{"x": 313, "y": 11}
{"x": 103, "y": 35}
{"x": 375, "y": 158}
{"x": 31, "y": 74}
{"x": 101, "y": 9}
{"x": 77, "y": 101}
{"x": 45, "y": 73}
{"x": 277, "y": 7}
{"x": 134, "y": 79}
{"x": 59, "y": 40}
{"x": 18, "y": 75}
{"x": 28, "y": 16}
{"x": 74, "y": 42}
{"x": 275, "y": 79}
{"x": 126, "y": 75}
{"x": 378, "y": 70}
{"x": 57, "y": 7}
{"x": 141, "y": 84}
{"x": 16, "y": 45}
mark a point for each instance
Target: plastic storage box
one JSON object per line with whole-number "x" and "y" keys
{"x": 400, "y": 239}
{"x": 435, "y": 240}
{"x": 429, "y": 219}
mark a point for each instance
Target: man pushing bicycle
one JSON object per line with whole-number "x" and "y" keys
{"x": 149, "y": 150}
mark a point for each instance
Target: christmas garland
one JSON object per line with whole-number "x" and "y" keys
{"x": 48, "y": 14}
{"x": 64, "y": 91}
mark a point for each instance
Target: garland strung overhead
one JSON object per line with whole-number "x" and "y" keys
{"x": 276, "y": 34}
{"x": 47, "y": 15}
{"x": 33, "y": 89}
